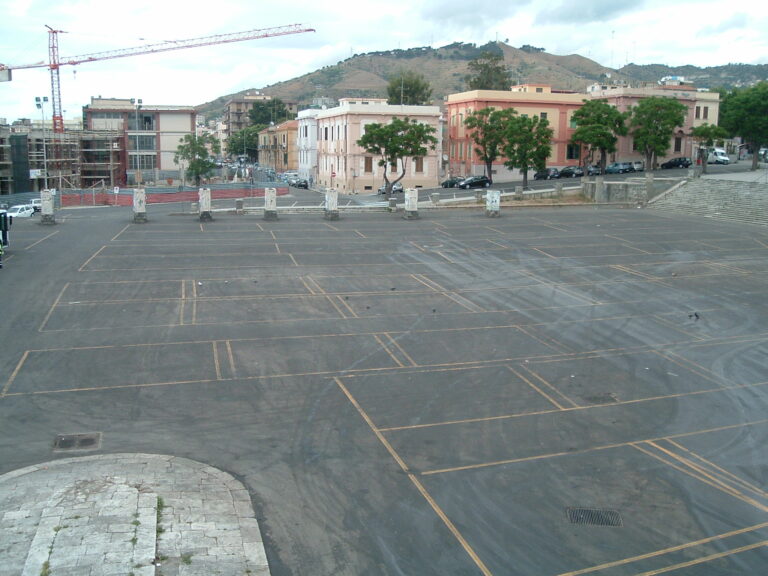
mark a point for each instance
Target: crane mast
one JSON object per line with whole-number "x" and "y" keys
{"x": 55, "y": 62}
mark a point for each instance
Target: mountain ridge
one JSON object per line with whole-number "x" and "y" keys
{"x": 445, "y": 68}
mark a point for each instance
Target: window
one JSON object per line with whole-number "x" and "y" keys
{"x": 368, "y": 164}
{"x": 572, "y": 123}
{"x": 539, "y": 90}
{"x": 573, "y": 152}
{"x": 698, "y": 112}
{"x": 678, "y": 144}
{"x": 543, "y": 114}
{"x": 706, "y": 112}
{"x": 419, "y": 164}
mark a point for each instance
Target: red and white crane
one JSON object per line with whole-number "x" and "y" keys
{"x": 55, "y": 62}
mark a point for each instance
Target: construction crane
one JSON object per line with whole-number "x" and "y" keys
{"x": 55, "y": 62}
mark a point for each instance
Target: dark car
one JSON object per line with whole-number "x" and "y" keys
{"x": 594, "y": 170}
{"x": 300, "y": 183}
{"x": 396, "y": 187}
{"x": 572, "y": 172}
{"x": 452, "y": 182}
{"x": 680, "y": 162}
{"x": 619, "y": 168}
{"x": 547, "y": 174}
{"x": 475, "y": 182}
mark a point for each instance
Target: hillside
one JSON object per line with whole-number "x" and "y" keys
{"x": 446, "y": 68}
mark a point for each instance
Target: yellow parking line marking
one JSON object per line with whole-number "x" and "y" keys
{"x": 41, "y": 239}
{"x": 41, "y": 328}
{"x": 665, "y": 550}
{"x": 419, "y": 486}
{"x": 216, "y": 359}
{"x": 15, "y": 373}
{"x": 119, "y": 233}
{"x": 705, "y": 559}
{"x": 91, "y": 258}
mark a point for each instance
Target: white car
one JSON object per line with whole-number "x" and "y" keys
{"x": 21, "y": 211}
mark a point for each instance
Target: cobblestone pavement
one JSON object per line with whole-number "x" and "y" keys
{"x": 138, "y": 514}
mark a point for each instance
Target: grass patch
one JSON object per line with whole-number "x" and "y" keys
{"x": 186, "y": 558}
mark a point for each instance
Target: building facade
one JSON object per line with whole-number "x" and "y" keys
{"x": 151, "y": 136}
{"x": 702, "y": 108}
{"x": 343, "y": 165}
{"x": 278, "y": 148}
{"x": 307, "y": 144}
{"x": 557, "y": 107}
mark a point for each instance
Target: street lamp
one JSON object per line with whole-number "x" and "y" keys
{"x": 39, "y": 102}
{"x": 137, "y": 104}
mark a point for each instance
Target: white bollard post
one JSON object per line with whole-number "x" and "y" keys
{"x": 493, "y": 203}
{"x": 331, "y": 204}
{"x": 139, "y": 206}
{"x": 411, "y": 204}
{"x": 46, "y": 207}
{"x": 270, "y": 204}
{"x": 204, "y": 204}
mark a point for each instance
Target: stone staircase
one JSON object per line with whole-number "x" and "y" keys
{"x": 730, "y": 200}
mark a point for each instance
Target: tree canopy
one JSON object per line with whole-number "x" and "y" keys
{"x": 397, "y": 141}
{"x": 653, "y": 122}
{"x": 488, "y": 72}
{"x": 199, "y": 153}
{"x": 409, "y": 87}
{"x": 488, "y": 128}
{"x": 599, "y": 126}
{"x": 245, "y": 142}
{"x": 266, "y": 111}
{"x": 528, "y": 144}
{"x": 745, "y": 113}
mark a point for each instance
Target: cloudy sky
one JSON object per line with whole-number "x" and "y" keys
{"x": 611, "y": 32}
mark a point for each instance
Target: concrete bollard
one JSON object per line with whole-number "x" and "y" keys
{"x": 239, "y": 206}
{"x": 518, "y": 192}
{"x": 478, "y": 196}
{"x": 435, "y": 198}
{"x": 392, "y": 204}
{"x": 139, "y": 206}
{"x": 493, "y": 203}
{"x": 270, "y": 204}
{"x": 46, "y": 207}
{"x": 411, "y": 204}
{"x": 331, "y": 204}
{"x": 204, "y": 204}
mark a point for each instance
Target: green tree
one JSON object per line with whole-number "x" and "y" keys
{"x": 599, "y": 126}
{"x": 528, "y": 144}
{"x": 409, "y": 87}
{"x": 489, "y": 72}
{"x": 199, "y": 153}
{"x": 266, "y": 111}
{"x": 745, "y": 114}
{"x": 246, "y": 142}
{"x": 653, "y": 122}
{"x": 397, "y": 141}
{"x": 706, "y": 135}
{"x": 488, "y": 131}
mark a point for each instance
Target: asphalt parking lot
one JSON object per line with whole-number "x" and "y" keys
{"x": 553, "y": 392}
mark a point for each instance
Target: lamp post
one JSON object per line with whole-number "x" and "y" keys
{"x": 137, "y": 104}
{"x": 39, "y": 102}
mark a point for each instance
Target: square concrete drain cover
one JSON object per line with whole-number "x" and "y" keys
{"x": 69, "y": 442}
{"x": 594, "y": 516}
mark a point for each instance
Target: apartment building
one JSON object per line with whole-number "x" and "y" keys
{"x": 151, "y": 136}
{"x": 556, "y": 106}
{"x": 345, "y": 166}
{"x": 278, "y": 148}
{"x": 703, "y": 107}
{"x": 307, "y": 144}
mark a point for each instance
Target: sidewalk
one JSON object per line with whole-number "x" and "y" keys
{"x": 127, "y": 514}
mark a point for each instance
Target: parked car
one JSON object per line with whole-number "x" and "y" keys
{"x": 680, "y": 162}
{"x": 594, "y": 170}
{"x": 619, "y": 168}
{"x": 718, "y": 156}
{"x": 547, "y": 174}
{"x": 300, "y": 183}
{"x": 572, "y": 172}
{"x": 37, "y": 204}
{"x": 452, "y": 182}
{"x": 21, "y": 211}
{"x": 638, "y": 165}
{"x": 475, "y": 182}
{"x": 396, "y": 187}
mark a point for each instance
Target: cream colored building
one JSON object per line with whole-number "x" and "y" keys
{"x": 346, "y": 167}
{"x": 278, "y": 147}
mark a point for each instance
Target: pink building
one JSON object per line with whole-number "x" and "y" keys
{"x": 345, "y": 166}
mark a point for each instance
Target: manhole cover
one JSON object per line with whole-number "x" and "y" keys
{"x": 89, "y": 441}
{"x": 594, "y": 516}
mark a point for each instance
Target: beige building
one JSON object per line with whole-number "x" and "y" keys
{"x": 345, "y": 166}
{"x": 278, "y": 148}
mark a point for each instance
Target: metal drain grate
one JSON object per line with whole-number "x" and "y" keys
{"x": 594, "y": 516}
{"x": 89, "y": 441}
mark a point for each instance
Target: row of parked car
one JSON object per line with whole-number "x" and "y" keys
{"x": 21, "y": 210}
